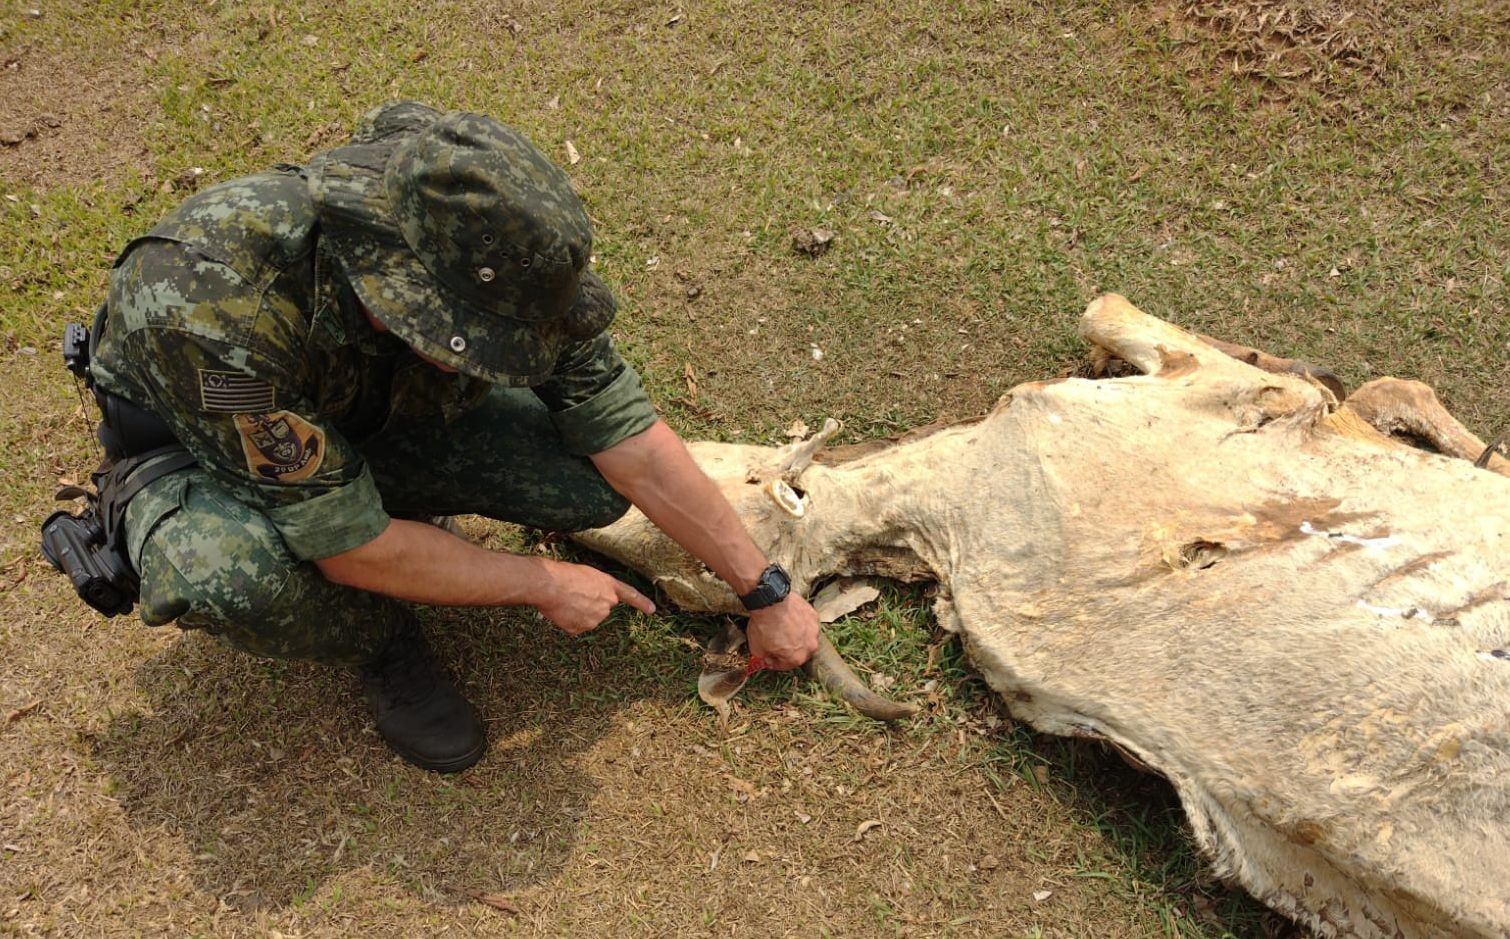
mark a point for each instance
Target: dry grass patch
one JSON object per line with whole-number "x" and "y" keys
{"x": 1283, "y": 44}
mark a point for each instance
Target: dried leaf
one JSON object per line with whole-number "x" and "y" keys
{"x": 691, "y": 379}
{"x": 572, "y": 156}
{"x": 842, "y": 597}
{"x": 723, "y": 669}
{"x": 799, "y": 429}
{"x": 22, "y": 711}
{"x": 752, "y": 857}
{"x": 1042, "y": 895}
{"x": 1138, "y": 173}
{"x": 497, "y": 901}
{"x": 866, "y": 826}
{"x": 554, "y": 103}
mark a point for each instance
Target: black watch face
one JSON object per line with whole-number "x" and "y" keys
{"x": 773, "y": 586}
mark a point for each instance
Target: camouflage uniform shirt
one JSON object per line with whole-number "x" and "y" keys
{"x": 230, "y": 321}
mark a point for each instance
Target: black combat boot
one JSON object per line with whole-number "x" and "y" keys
{"x": 419, "y": 713}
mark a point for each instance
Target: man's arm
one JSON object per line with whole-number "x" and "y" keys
{"x": 418, "y": 562}
{"x": 655, "y": 472}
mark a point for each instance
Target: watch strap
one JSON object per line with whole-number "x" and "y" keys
{"x": 773, "y": 586}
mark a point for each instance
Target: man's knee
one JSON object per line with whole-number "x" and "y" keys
{"x": 204, "y": 549}
{"x": 590, "y": 504}
{"x": 216, "y": 564}
{"x": 605, "y": 511}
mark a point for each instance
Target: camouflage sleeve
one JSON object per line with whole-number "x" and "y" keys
{"x": 235, "y": 402}
{"x": 595, "y": 397}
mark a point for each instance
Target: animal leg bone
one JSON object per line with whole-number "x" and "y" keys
{"x": 1153, "y": 347}
{"x": 1275, "y": 365}
{"x": 1401, "y": 408}
{"x": 1150, "y": 345}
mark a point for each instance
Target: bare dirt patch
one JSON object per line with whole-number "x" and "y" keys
{"x": 70, "y": 114}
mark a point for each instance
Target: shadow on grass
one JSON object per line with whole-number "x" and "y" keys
{"x": 272, "y": 777}
{"x": 1143, "y": 825}
{"x": 1149, "y": 853}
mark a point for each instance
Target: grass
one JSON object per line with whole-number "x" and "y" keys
{"x": 1331, "y": 190}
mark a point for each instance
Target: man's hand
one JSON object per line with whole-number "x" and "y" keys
{"x": 785, "y": 635}
{"x": 578, "y": 598}
{"x": 418, "y": 562}
{"x": 655, "y": 472}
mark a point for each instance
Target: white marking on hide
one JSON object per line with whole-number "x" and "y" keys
{"x": 1407, "y": 613}
{"x": 1388, "y": 541}
{"x": 1055, "y": 419}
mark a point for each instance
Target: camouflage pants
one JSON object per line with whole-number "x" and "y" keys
{"x": 212, "y": 562}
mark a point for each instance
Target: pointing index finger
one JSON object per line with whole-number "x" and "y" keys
{"x": 633, "y": 597}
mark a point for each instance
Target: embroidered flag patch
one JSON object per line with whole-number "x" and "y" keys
{"x": 281, "y": 445}
{"x": 232, "y": 392}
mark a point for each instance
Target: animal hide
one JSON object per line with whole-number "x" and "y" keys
{"x": 1299, "y": 622}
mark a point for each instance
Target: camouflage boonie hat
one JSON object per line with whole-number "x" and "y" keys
{"x": 463, "y": 239}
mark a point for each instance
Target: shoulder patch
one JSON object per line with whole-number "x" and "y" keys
{"x": 281, "y": 445}
{"x": 233, "y": 392}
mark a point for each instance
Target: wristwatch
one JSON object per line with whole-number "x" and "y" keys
{"x": 772, "y": 587}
